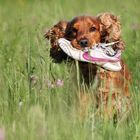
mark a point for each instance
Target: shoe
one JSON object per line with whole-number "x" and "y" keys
{"x": 101, "y": 54}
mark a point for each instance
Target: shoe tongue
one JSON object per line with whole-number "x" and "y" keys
{"x": 110, "y": 52}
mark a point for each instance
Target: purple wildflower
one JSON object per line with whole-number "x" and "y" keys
{"x": 2, "y": 134}
{"x": 59, "y": 83}
{"x": 54, "y": 83}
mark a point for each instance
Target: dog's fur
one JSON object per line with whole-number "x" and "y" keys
{"x": 102, "y": 28}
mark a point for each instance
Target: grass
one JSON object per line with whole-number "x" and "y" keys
{"x": 31, "y": 110}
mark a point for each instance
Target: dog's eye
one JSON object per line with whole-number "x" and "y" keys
{"x": 92, "y": 29}
{"x": 74, "y": 30}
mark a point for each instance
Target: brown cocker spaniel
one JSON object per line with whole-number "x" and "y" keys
{"x": 85, "y": 31}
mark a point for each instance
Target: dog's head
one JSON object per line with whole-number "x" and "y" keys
{"x": 83, "y": 31}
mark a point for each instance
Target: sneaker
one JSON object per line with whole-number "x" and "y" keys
{"x": 101, "y": 54}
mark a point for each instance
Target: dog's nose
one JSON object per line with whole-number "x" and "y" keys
{"x": 83, "y": 42}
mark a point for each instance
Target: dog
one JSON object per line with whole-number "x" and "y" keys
{"x": 112, "y": 94}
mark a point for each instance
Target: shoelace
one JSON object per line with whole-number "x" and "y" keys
{"x": 106, "y": 48}
{"x": 97, "y": 55}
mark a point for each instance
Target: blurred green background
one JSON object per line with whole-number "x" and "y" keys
{"x": 32, "y": 107}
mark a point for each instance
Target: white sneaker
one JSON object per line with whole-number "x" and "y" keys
{"x": 100, "y": 54}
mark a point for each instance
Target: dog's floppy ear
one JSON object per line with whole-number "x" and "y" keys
{"x": 110, "y": 29}
{"x": 57, "y": 31}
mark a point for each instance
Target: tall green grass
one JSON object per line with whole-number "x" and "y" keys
{"x": 29, "y": 108}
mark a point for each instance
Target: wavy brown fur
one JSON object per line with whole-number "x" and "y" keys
{"x": 104, "y": 27}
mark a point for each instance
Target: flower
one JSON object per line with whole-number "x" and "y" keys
{"x": 2, "y": 134}
{"x": 59, "y": 83}
{"x": 54, "y": 83}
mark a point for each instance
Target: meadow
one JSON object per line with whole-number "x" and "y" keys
{"x": 38, "y": 97}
